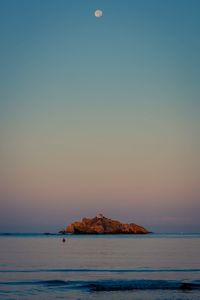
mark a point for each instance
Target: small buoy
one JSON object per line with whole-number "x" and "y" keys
{"x": 98, "y": 13}
{"x": 63, "y": 240}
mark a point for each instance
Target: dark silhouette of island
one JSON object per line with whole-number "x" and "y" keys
{"x": 103, "y": 225}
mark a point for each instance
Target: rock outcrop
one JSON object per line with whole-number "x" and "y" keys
{"x": 103, "y": 225}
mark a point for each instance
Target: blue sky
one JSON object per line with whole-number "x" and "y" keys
{"x": 99, "y": 114}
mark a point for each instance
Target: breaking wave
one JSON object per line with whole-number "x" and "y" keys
{"x": 113, "y": 285}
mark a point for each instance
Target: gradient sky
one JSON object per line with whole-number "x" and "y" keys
{"x": 99, "y": 115}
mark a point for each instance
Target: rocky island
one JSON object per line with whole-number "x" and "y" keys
{"x": 103, "y": 225}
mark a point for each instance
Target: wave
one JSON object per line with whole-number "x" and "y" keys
{"x": 141, "y": 270}
{"x": 144, "y": 285}
{"x": 114, "y": 285}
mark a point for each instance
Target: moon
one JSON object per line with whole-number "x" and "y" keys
{"x": 98, "y": 13}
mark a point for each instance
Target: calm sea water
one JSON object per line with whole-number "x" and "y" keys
{"x": 157, "y": 266}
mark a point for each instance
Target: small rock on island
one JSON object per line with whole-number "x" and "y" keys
{"x": 103, "y": 225}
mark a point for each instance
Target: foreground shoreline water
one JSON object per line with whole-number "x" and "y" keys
{"x": 153, "y": 266}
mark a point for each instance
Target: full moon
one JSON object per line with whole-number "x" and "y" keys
{"x": 98, "y": 13}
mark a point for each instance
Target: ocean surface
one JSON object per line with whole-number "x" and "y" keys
{"x": 155, "y": 266}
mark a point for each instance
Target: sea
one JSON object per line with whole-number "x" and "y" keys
{"x": 153, "y": 266}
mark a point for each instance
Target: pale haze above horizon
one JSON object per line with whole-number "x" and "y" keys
{"x": 99, "y": 114}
